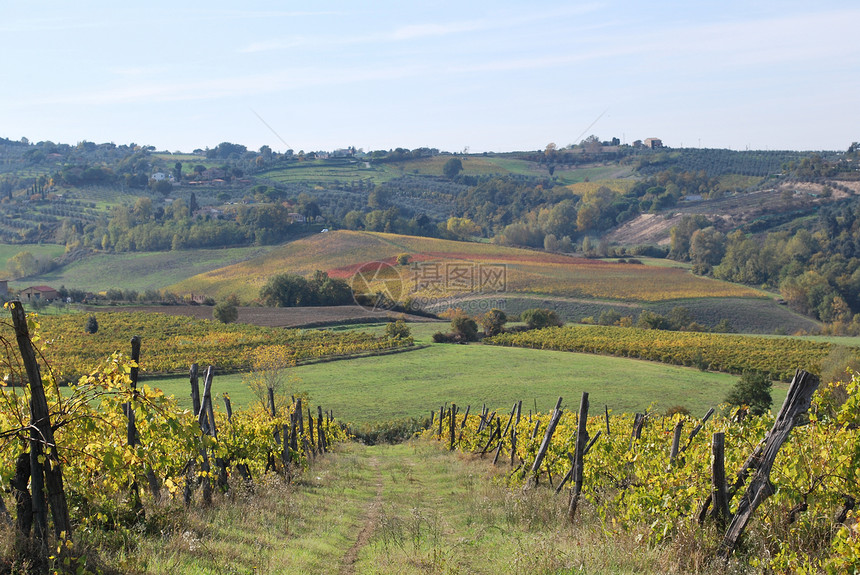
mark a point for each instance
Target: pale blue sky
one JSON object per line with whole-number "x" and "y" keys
{"x": 490, "y": 75}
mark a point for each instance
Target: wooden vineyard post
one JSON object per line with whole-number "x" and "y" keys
{"x": 203, "y": 422}
{"x": 452, "y": 425}
{"x": 195, "y": 388}
{"x": 441, "y": 417}
{"x": 514, "y": 433}
{"x": 719, "y": 493}
{"x": 47, "y": 477}
{"x": 579, "y": 455}
{"x": 504, "y": 433}
{"x": 697, "y": 429}
{"x": 151, "y": 479}
{"x": 553, "y": 423}
{"x": 463, "y": 424}
{"x": 676, "y": 442}
{"x": 228, "y": 406}
{"x": 606, "y": 411}
{"x": 320, "y": 432}
{"x": 796, "y": 403}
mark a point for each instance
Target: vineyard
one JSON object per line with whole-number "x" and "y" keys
{"x": 778, "y": 357}
{"x": 659, "y": 476}
{"x": 715, "y": 162}
{"x": 176, "y": 342}
{"x": 85, "y": 453}
{"x": 343, "y": 253}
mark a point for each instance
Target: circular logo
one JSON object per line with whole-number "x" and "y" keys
{"x": 377, "y": 286}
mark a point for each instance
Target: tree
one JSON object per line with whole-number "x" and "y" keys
{"x": 537, "y": 318}
{"x": 465, "y": 327}
{"x": 403, "y": 259}
{"x": 226, "y": 312}
{"x": 753, "y": 390}
{"x": 452, "y": 167}
{"x": 463, "y": 227}
{"x": 493, "y": 322}
{"x": 177, "y": 171}
{"x": 650, "y": 320}
{"x": 22, "y": 264}
{"x": 92, "y": 325}
{"x": 397, "y": 329}
{"x": 286, "y": 290}
{"x": 269, "y": 372}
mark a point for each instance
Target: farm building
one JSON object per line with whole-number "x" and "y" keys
{"x": 39, "y": 292}
{"x": 653, "y": 143}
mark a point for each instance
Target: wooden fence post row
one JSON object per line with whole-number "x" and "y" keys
{"x": 760, "y": 463}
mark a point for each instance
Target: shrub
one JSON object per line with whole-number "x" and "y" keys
{"x": 403, "y": 259}
{"x": 441, "y": 337}
{"x": 609, "y": 317}
{"x": 225, "y": 312}
{"x": 465, "y": 327}
{"x": 92, "y": 325}
{"x": 677, "y": 409}
{"x": 493, "y": 322}
{"x": 537, "y": 318}
{"x": 752, "y": 389}
{"x": 397, "y": 329}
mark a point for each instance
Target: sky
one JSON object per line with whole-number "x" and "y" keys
{"x": 469, "y": 75}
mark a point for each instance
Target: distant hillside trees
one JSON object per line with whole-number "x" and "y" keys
{"x": 452, "y": 167}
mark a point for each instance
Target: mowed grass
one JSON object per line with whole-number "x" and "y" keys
{"x": 343, "y": 253}
{"x": 143, "y": 270}
{"x": 410, "y": 384}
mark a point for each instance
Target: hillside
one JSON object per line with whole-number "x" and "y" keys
{"x": 575, "y": 287}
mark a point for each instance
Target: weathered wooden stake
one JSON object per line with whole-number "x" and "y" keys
{"x": 553, "y": 423}
{"x": 697, "y": 429}
{"x": 606, "y": 411}
{"x": 320, "y": 431}
{"x": 719, "y": 492}
{"x": 504, "y": 433}
{"x": 579, "y": 456}
{"x": 514, "y": 433}
{"x": 676, "y": 442}
{"x": 452, "y": 425}
{"x": 195, "y": 388}
{"x": 796, "y": 403}
{"x": 49, "y": 476}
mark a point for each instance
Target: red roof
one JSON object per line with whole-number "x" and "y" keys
{"x": 41, "y": 288}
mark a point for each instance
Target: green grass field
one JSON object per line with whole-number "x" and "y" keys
{"x": 412, "y": 383}
{"x": 144, "y": 270}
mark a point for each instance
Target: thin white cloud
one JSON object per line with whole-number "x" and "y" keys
{"x": 419, "y": 31}
{"x": 226, "y": 87}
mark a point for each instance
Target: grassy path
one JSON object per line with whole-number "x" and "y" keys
{"x": 371, "y": 519}
{"x": 405, "y": 509}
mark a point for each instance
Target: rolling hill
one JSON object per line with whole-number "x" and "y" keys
{"x": 476, "y": 276}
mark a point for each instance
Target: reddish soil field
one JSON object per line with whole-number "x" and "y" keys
{"x": 279, "y": 316}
